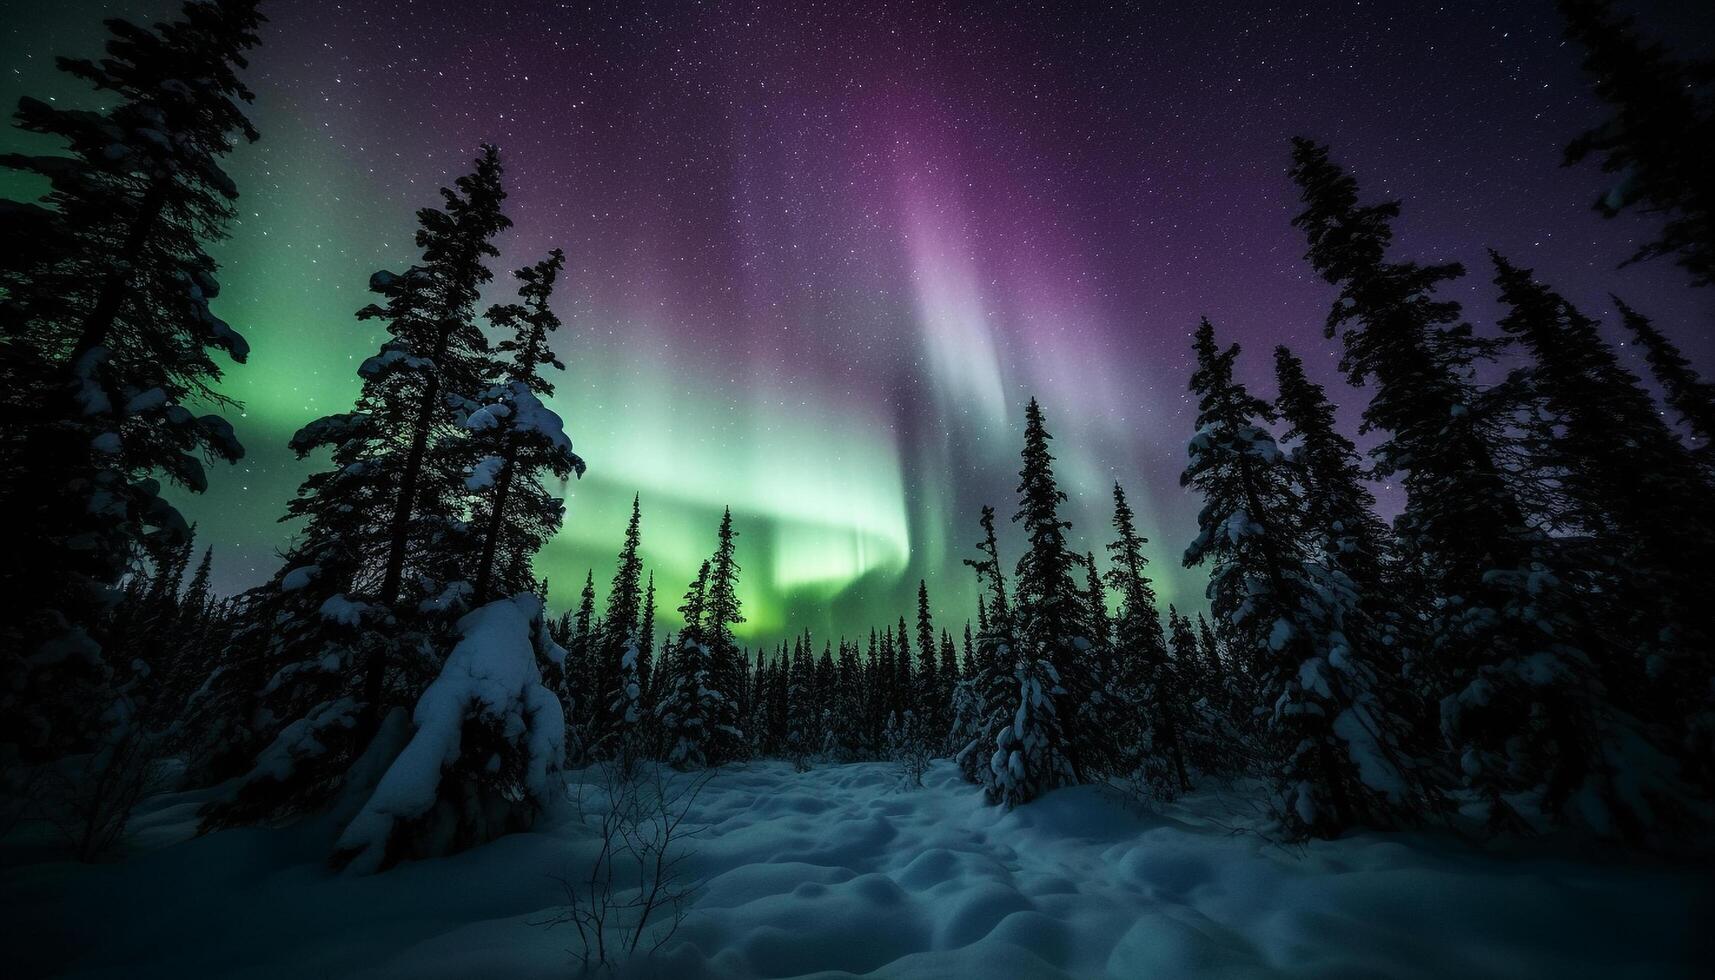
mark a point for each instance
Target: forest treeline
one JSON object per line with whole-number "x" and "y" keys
{"x": 1526, "y": 645}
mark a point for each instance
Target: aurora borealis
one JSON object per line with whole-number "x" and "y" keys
{"x": 821, "y": 254}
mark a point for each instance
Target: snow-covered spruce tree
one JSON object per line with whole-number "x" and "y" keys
{"x": 1095, "y": 712}
{"x": 1149, "y": 715}
{"x": 801, "y": 715}
{"x": 826, "y": 689}
{"x": 846, "y": 725}
{"x": 1098, "y": 624}
{"x": 580, "y": 686}
{"x": 949, "y": 676}
{"x": 1519, "y": 706}
{"x": 778, "y": 716}
{"x": 931, "y": 692}
{"x": 1219, "y": 712}
{"x": 355, "y": 619}
{"x": 105, "y": 333}
{"x": 646, "y": 646}
{"x": 435, "y": 363}
{"x": 620, "y": 646}
{"x": 683, "y": 708}
{"x": 485, "y": 751}
{"x": 756, "y": 719}
{"x": 513, "y": 441}
{"x": 1339, "y": 510}
{"x": 887, "y": 680}
{"x": 1340, "y": 526}
{"x": 990, "y": 688}
{"x": 1635, "y": 506}
{"x": 1330, "y": 747}
{"x": 720, "y": 614}
{"x": 1690, "y": 397}
{"x": 905, "y": 686}
{"x": 1043, "y": 748}
{"x": 1658, "y": 141}
{"x": 874, "y": 710}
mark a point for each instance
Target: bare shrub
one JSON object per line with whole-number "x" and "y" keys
{"x": 635, "y": 892}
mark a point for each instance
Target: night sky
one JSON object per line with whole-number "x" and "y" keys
{"x": 820, "y": 255}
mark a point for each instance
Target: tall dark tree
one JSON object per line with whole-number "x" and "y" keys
{"x": 721, "y": 613}
{"x": 847, "y": 724}
{"x": 1096, "y": 604}
{"x": 684, "y": 708}
{"x": 389, "y": 505}
{"x": 1339, "y": 510}
{"x": 1042, "y": 749}
{"x": 1495, "y": 646}
{"x": 1690, "y": 397}
{"x": 1148, "y": 692}
{"x": 1629, "y": 489}
{"x": 646, "y": 638}
{"x": 1659, "y": 138}
{"x": 515, "y": 439}
{"x": 993, "y": 684}
{"x": 342, "y": 634}
{"x": 949, "y": 677}
{"x": 905, "y": 688}
{"x": 620, "y": 639}
{"x": 932, "y": 695}
{"x": 1330, "y": 748}
{"x": 105, "y": 334}
{"x": 801, "y": 720}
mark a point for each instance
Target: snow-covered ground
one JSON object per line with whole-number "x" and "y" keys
{"x": 838, "y": 871}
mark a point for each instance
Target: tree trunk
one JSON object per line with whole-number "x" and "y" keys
{"x": 496, "y": 520}
{"x": 113, "y": 289}
{"x": 399, "y": 530}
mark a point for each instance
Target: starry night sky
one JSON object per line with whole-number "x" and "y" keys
{"x": 820, "y": 254}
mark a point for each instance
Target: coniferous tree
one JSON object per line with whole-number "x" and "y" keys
{"x": 582, "y": 686}
{"x": 1096, "y": 602}
{"x": 620, "y": 633}
{"x": 887, "y": 678}
{"x": 514, "y": 439}
{"x": 826, "y": 681}
{"x": 198, "y": 594}
{"x": 949, "y": 677}
{"x": 847, "y": 723}
{"x": 1330, "y": 747}
{"x": 992, "y": 685}
{"x": 1149, "y": 695}
{"x": 1659, "y": 141}
{"x": 1691, "y": 398}
{"x": 1210, "y": 647}
{"x": 931, "y": 706}
{"x": 876, "y": 673}
{"x": 968, "y": 661}
{"x": 1628, "y": 489}
{"x": 905, "y": 682}
{"x": 721, "y": 615}
{"x": 434, "y": 363}
{"x": 1339, "y": 510}
{"x": 684, "y": 709}
{"x": 800, "y": 707}
{"x": 1181, "y": 640}
{"x": 1494, "y": 652}
{"x": 335, "y": 640}
{"x": 646, "y": 640}
{"x": 1043, "y": 747}
{"x": 105, "y": 333}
